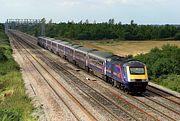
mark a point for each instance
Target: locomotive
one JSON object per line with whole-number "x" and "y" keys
{"x": 128, "y": 74}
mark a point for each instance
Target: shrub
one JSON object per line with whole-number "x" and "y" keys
{"x": 177, "y": 36}
{"x": 2, "y": 57}
{"x": 162, "y": 61}
{"x": 171, "y": 81}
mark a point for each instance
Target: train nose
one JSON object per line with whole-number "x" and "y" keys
{"x": 139, "y": 80}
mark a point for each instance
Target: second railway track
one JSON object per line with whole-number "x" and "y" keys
{"x": 87, "y": 115}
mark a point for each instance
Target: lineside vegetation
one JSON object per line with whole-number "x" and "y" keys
{"x": 14, "y": 103}
{"x": 163, "y": 66}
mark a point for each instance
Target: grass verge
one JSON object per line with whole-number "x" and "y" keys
{"x": 14, "y": 103}
{"x": 171, "y": 81}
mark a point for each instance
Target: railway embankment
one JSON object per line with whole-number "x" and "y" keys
{"x": 14, "y": 103}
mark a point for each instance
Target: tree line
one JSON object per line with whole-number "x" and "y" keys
{"x": 107, "y": 30}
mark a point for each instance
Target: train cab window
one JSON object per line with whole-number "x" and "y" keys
{"x": 137, "y": 70}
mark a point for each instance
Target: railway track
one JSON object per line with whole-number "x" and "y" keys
{"x": 115, "y": 110}
{"x": 164, "y": 94}
{"x": 79, "y": 82}
{"x": 51, "y": 85}
{"x": 119, "y": 95}
{"x": 106, "y": 103}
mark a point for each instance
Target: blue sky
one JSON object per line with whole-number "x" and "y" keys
{"x": 141, "y": 11}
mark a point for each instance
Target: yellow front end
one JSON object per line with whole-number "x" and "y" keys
{"x": 137, "y": 77}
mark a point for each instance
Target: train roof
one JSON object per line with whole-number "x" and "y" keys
{"x": 122, "y": 60}
{"x": 48, "y": 38}
{"x": 57, "y": 41}
{"x": 134, "y": 63}
{"x": 84, "y": 49}
{"x": 72, "y": 46}
{"x": 100, "y": 54}
{"x": 76, "y": 46}
{"x": 117, "y": 59}
{"x": 64, "y": 43}
{"x": 41, "y": 37}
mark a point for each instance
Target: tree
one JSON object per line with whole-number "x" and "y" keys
{"x": 107, "y": 30}
{"x": 87, "y": 21}
{"x": 111, "y": 21}
{"x": 132, "y": 22}
{"x": 177, "y": 36}
{"x": 43, "y": 20}
{"x": 50, "y": 21}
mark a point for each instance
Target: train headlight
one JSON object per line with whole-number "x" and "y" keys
{"x": 139, "y": 80}
{"x": 133, "y": 80}
{"x": 144, "y": 80}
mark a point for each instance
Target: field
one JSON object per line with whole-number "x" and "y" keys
{"x": 124, "y": 48}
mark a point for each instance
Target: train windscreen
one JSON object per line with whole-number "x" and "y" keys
{"x": 137, "y": 70}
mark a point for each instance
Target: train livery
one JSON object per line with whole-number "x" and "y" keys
{"x": 128, "y": 74}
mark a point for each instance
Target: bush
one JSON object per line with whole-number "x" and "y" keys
{"x": 171, "y": 81}
{"x": 177, "y": 36}
{"x": 162, "y": 61}
{"x": 163, "y": 66}
{"x": 2, "y": 57}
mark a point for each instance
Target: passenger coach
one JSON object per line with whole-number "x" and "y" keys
{"x": 128, "y": 74}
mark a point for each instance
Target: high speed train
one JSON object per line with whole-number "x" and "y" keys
{"x": 128, "y": 74}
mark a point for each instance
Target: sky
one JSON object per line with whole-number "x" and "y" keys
{"x": 141, "y": 11}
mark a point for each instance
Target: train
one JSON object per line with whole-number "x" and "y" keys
{"x": 125, "y": 73}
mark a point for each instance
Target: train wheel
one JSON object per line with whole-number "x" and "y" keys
{"x": 121, "y": 86}
{"x": 91, "y": 71}
{"x": 114, "y": 83}
{"x": 87, "y": 69}
{"x": 105, "y": 78}
{"x": 74, "y": 62}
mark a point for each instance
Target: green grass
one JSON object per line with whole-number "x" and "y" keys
{"x": 14, "y": 103}
{"x": 171, "y": 81}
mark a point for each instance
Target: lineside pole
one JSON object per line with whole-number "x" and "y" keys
{"x": 43, "y": 27}
{"x": 6, "y": 26}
